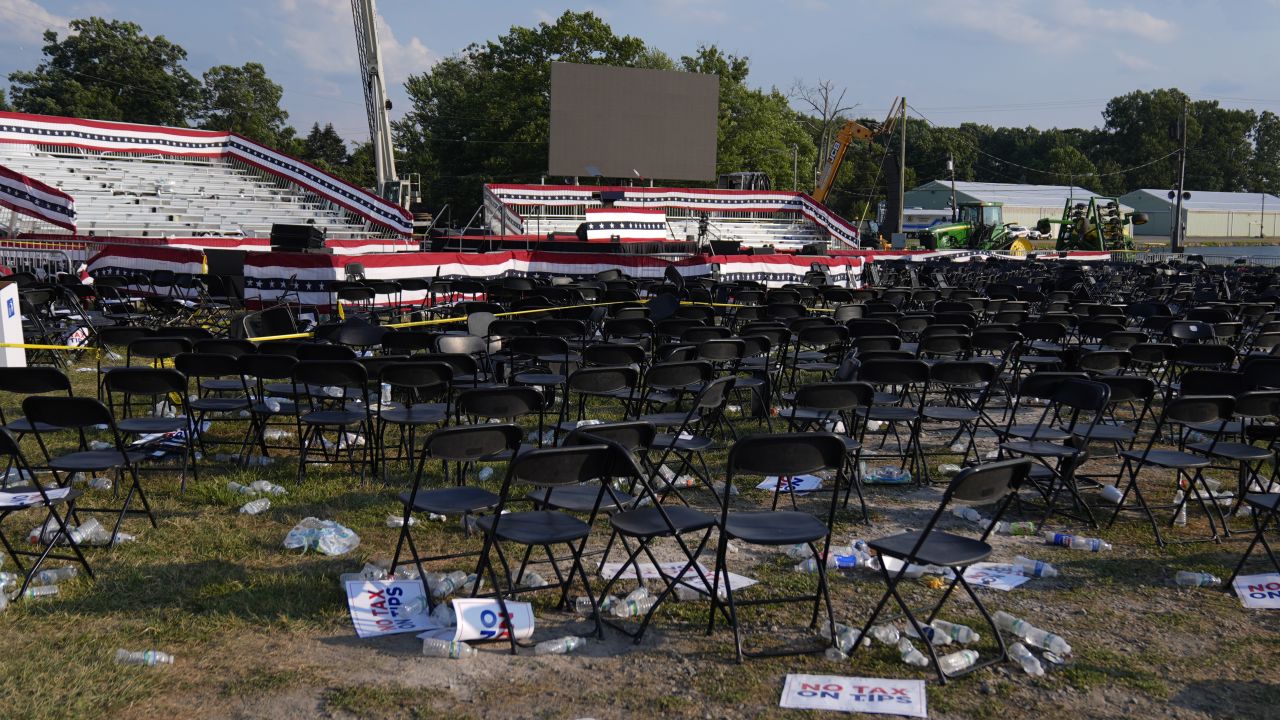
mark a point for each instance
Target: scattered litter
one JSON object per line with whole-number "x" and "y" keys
{"x": 478, "y": 619}
{"x": 964, "y": 512}
{"x": 267, "y": 487}
{"x": 1075, "y": 542}
{"x": 143, "y": 657}
{"x": 1196, "y": 579}
{"x": 1111, "y": 494}
{"x": 887, "y": 475}
{"x": 1023, "y": 527}
{"x": 1258, "y": 591}
{"x": 949, "y": 469}
{"x": 1021, "y": 655}
{"x": 855, "y": 695}
{"x": 800, "y": 484}
{"x": 432, "y": 647}
{"x": 325, "y": 536}
{"x": 910, "y": 655}
{"x": 846, "y": 637}
{"x": 38, "y": 591}
{"x": 236, "y": 487}
{"x": 254, "y": 507}
{"x": 957, "y": 661}
{"x": 485, "y": 474}
{"x": 379, "y": 607}
{"x": 395, "y": 521}
{"x": 559, "y": 646}
{"x": 1034, "y": 568}
{"x": 689, "y": 580}
{"x": 1030, "y": 633}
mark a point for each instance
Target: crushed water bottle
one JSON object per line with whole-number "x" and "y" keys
{"x": 416, "y": 606}
{"x": 962, "y": 634}
{"x": 1032, "y": 634}
{"x": 38, "y": 591}
{"x": 910, "y": 655}
{"x": 1023, "y": 527}
{"x": 846, "y": 637}
{"x": 395, "y": 521}
{"x": 253, "y": 507}
{"x": 55, "y": 575}
{"x": 949, "y": 469}
{"x": 485, "y": 474}
{"x": 1030, "y": 665}
{"x": 582, "y": 604}
{"x": 454, "y": 650}
{"x": 1034, "y": 568}
{"x": 633, "y": 608}
{"x": 532, "y": 579}
{"x": 236, "y": 487}
{"x": 965, "y": 512}
{"x": 143, "y": 657}
{"x": 559, "y": 646}
{"x": 444, "y": 616}
{"x": 1075, "y": 542}
{"x": 932, "y": 634}
{"x": 1186, "y": 578}
{"x": 267, "y": 487}
{"x": 885, "y": 633}
{"x": 449, "y": 584}
{"x": 957, "y": 661}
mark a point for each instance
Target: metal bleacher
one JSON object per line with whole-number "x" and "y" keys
{"x": 124, "y": 195}
{"x": 783, "y": 231}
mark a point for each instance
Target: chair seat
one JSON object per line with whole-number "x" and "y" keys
{"x": 939, "y": 548}
{"x": 282, "y": 389}
{"x": 1262, "y": 501}
{"x": 648, "y": 522}
{"x": 1168, "y": 458}
{"x": 950, "y": 413}
{"x": 334, "y": 417}
{"x": 286, "y": 407}
{"x": 1039, "y": 448}
{"x": 422, "y": 414}
{"x": 1109, "y": 433}
{"x": 663, "y": 441}
{"x": 1232, "y": 450}
{"x": 664, "y": 419}
{"x": 93, "y": 460}
{"x": 504, "y": 455}
{"x": 36, "y": 500}
{"x": 222, "y": 384}
{"x": 889, "y": 414}
{"x": 579, "y": 498}
{"x": 452, "y": 501}
{"x": 219, "y": 404}
{"x": 535, "y": 527}
{"x": 1042, "y": 432}
{"x": 148, "y": 425}
{"x": 781, "y": 527}
{"x": 23, "y": 426}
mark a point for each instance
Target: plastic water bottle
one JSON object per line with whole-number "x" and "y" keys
{"x": 957, "y": 661}
{"x": 965, "y": 512}
{"x": 253, "y": 507}
{"x": 1186, "y": 578}
{"x": 1111, "y": 494}
{"x": 395, "y": 521}
{"x": 633, "y": 608}
{"x": 1034, "y": 568}
{"x": 38, "y": 591}
{"x": 416, "y": 606}
{"x": 582, "y": 605}
{"x": 1075, "y": 542}
{"x": 962, "y": 634}
{"x": 532, "y": 579}
{"x": 559, "y": 646}
{"x": 143, "y": 657}
{"x": 846, "y": 637}
{"x": 1030, "y": 665}
{"x": 799, "y": 552}
{"x": 236, "y": 487}
{"x": 910, "y": 655}
{"x": 485, "y": 473}
{"x": 933, "y": 635}
{"x": 449, "y": 583}
{"x": 268, "y": 487}
{"x": 444, "y": 616}
{"x": 1022, "y": 527}
{"x": 1032, "y": 634}
{"x": 1181, "y": 518}
{"x": 432, "y": 647}
{"x": 55, "y": 575}
{"x": 949, "y": 469}
{"x": 885, "y": 633}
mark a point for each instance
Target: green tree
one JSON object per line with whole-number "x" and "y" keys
{"x": 4, "y": 103}
{"x": 1264, "y": 169}
{"x": 109, "y": 70}
{"x": 324, "y": 148}
{"x": 244, "y": 100}
{"x": 1070, "y": 167}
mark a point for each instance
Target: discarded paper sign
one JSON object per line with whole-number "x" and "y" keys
{"x": 649, "y": 572}
{"x": 377, "y": 607}
{"x": 800, "y": 484}
{"x": 1259, "y": 591}
{"x": 849, "y": 694}
{"x": 997, "y": 576}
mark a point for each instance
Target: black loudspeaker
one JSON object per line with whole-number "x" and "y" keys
{"x": 726, "y": 247}
{"x": 612, "y": 196}
{"x": 814, "y": 249}
{"x": 296, "y": 237}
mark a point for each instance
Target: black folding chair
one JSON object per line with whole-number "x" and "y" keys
{"x": 138, "y": 398}
{"x": 991, "y": 484}
{"x": 330, "y": 395}
{"x": 788, "y": 455}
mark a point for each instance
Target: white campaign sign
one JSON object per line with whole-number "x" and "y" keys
{"x": 481, "y": 619}
{"x": 376, "y": 607}
{"x": 996, "y": 576}
{"x": 846, "y": 694}
{"x": 800, "y": 484}
{"x": 1259, "y": 591}
{"x": 22, "y": 499}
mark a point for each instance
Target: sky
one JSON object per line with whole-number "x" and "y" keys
{"x": 1040, "y": 63}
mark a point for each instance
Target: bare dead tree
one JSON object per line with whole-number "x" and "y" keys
{"x": 826, "y": 103}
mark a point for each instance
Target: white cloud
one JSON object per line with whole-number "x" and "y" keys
{"x": 1059, "y": 25}
{"x": 706, "y": 11}
{"x": 25, "y": 21}
{"x": 1134, "y": 62}
{"x": 320, "y": 34}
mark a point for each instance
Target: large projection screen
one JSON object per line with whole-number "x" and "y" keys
{"x": 618, "y": 122}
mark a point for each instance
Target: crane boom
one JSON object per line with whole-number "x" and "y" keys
{"x": 365, "y": 16}
{"x": 851, "y": 131}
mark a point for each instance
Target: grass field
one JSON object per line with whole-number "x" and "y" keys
{"x": 262, "y": 632}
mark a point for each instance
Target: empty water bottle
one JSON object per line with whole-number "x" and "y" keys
{"x": 236, "y": 487}
{"x": 1180, "y": 519}
{"x": 933, "y": 635}
{"x": 55, "y": 575}
{"x": 449, "y": 584}
{"x": 1075, "y": 542}
{"x": 1022, "y": 527}
{"x": 949, "y": 469}
{"x": 268, "y": 487}
{"x": 799, "y": 552}
{"x": 957, "y": 661}
{"x": 143, "y": 657}
{"x": 846, "y": 637}
{"x": 634, "y": 608}
{"x": 582, "y": 605}
{"x": 638, "y": 594}
{"x": 967, "y": 513}
{"x": 1111, "y": 494}
{"x": 910, "y": 655}
{"x": 885, "y": 633}
{"x": 962, "y": 634}
{"x": 1196, "y": 579}
{"x": 532, "y": 579}
{"x": 1032, "y": 634}
{"x": 1034, "y": 568}
{"x": 432, "y": 647}
{"x": 395, "y": 521}
{"x": 559, "y": 646}
{"x": 834, "y": 654}
{"x": 253, "y": 507}
{"x": 444, "y": 616}
{"x": 485, "y": 473}
{"x": 38, "y": 591}
{"x": 1030, "y": 665}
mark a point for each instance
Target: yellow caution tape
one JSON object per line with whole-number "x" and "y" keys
{"x": 65, "y": 348}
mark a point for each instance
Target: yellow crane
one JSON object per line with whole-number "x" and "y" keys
{"x": 851, "y": 131}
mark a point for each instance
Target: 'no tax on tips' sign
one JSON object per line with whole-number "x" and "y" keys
{"x": 377, "y": 607}
{"x": 846, "y": 694}
{"x": 1259, "y": 591}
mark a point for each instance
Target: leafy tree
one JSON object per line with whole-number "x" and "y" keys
{"x": 1264, "y": 170}
{"x": 107, "y": 69}
{"x": 324, "y": 148}
{"x": 245, "y": 101}
{"x": 4, "y": 103}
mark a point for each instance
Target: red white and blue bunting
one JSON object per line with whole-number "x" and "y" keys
{"x": 32, "y": 197}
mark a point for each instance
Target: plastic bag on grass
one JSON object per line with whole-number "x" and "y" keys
{"x": 325, "y": 536}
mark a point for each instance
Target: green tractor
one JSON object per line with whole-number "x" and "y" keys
{"x": 1099, "y": 224}
{"x": 979, "y": 226}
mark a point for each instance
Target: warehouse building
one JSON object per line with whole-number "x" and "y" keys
{"x": 1023, "y": 204}
{"x": 1208, "y": 214}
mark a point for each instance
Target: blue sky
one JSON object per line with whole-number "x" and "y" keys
{"x": 1042, "y": 63}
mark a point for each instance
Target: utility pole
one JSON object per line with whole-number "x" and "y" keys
{"x": 1177, "y": 239}
{"x": 902, "y": 167}
{"x": 951, "y": 167}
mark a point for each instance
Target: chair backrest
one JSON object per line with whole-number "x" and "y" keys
{"x": 207, "y": 365}
{"x": 677, "y": 375}
{"x": 157, "y": 348}
{"x": 633, "y": 435}
{"x": 468, "y": 443}
{"x": 34, "y": 379}
{"x": 225, "y": 346}
{"x": 503, "y": 403}
{"x": 604, "y": 378}
{"x": 986, "y": 484}
{"x": 339, "y": 373}
{"x": 1212, "y": 382}
{"x": 145, "y": 381}
{"x": 67, "y": 412}
{"x": 834, "y": 396}
{"x": 551, "y": 467}
{"x": 324, "y": 352}
{"x": 417, "y": 375}
{"x": 464, "y": 344}
{"x": 267, "y": 366}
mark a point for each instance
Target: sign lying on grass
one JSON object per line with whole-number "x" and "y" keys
{"x": 996, "y": 576}
{"x": 482, "y": 619}
{"x": 10, "y": 499}
{"x": 1259, "y": 591}
{"x": 846, "y": 694}
{"x": 649, "y": 572}
{"x": 377, "y": 607}
{"x": 800, "y": 484}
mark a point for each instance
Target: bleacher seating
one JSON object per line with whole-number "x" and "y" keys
{"x": 784, "y": 231}
{"x": 158, "y": 196}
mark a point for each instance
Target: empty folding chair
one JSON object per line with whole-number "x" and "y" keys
{"x": 143, "y": 402}
{"x": 329, "y": 396}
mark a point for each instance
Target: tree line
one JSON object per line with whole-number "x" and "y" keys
{"x": 482, "y": 116}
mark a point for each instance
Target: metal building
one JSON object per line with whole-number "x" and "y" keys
{"x": 1209, "y": 214}
{"x": 1023, "y": 204}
